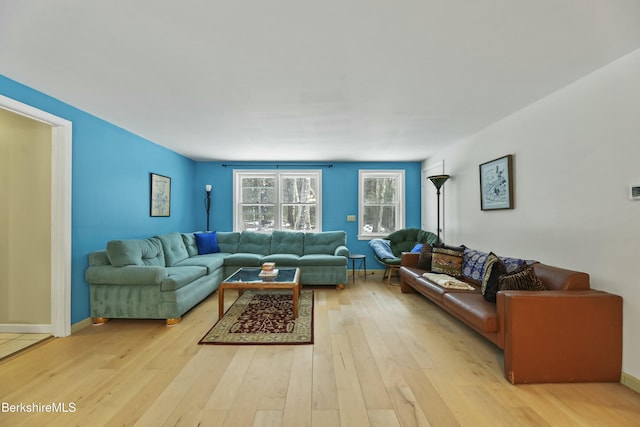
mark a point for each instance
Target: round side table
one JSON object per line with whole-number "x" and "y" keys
{"x": 363, "y": 264}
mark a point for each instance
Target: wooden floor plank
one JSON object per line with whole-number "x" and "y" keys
{"x": 380, "y": 358}
{"x": 297, "y": 410}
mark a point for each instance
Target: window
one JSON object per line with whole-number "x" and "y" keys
{"x": 277, "y": 200}
{"x": 380, "y": 202}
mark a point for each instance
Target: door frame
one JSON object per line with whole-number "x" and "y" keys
{"x": 61, "y": 160}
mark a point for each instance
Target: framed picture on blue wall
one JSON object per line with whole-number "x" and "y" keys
{"x": 160, "y": 195}
{"x": 496, "y": 184}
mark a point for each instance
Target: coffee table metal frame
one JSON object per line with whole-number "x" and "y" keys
{"x": 258, "y": 284}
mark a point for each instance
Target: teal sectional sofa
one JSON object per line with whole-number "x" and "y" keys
{"x": 163, "y": 277}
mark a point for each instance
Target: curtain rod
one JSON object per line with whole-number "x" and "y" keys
{"x": 278, "y": 165}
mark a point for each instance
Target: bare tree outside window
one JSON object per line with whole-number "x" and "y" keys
{"x": 381, "y": 202}
{"x": 299, "y": 203}
{"x": 277, "y": 200}
{"x": 259, "y": 196}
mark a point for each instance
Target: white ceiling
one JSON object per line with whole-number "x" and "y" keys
{"x": 300, "y": 80}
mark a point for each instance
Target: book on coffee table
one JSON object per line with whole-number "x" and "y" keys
{"x": 268, "y": 274}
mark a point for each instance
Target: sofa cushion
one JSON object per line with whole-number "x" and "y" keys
{"x": 287, "y": 242}
{"x": 560, "y": 279}
{"x": 473, "y": 263}
{"x": 212, "y": 262}
{"x": 255, "y": 243}
{"x": 177, "y": 277}
{"x": 514, "y": 264}
{"x": 207, "y": 243}
{"x": 524, "y": 279}
{"x": 472, "y": 308}
{"x": 324, "y": 243}
{"x": 382, "y": 248}
{"x": 189, "y": 240}
{"x": 447, "y": 260}
{"x": 174, "y": 248}
{"x": 242, "y": 259}
{"x": 414, "y": 275}
{"x": 322, "y": 259}
{"x": 493, "y": 269}
{"x": 426, "y": 253}
{"x": 135, "y": 252}
{"x": 283, "y": 260}
{"x": 228, "y": 241}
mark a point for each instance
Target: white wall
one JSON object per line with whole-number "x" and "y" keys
{"x": 575, "y": 154}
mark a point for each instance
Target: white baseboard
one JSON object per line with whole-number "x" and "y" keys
{"x": 631, "y": 382}
{"x": 25, "y": 328}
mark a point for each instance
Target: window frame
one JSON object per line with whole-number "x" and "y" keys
{"x": 399, "y": 175}
{"x": 278, "y": 175}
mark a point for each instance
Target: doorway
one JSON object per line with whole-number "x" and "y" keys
{"x": 57, "y": 320}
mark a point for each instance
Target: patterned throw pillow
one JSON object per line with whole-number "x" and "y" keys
{"x": 447, "y": 260}
{"x": 513, "y": 264}
{"x": 493, "y": 269}
{"x": 424, "y": 261}
{"x": 524, "y": 279}
{"x": 473, "y": 264}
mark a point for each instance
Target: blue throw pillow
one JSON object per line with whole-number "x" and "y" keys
{"x": 417, "y": 248}
{"x": 473, "y": 264}
{"x": 207, "y": 243}
{"x": 382, "y": 248}
{"x": 513, "y": 264}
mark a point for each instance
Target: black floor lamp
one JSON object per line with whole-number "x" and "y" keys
{"x": 438, "y": 181}
{"x": 207, "y": 202}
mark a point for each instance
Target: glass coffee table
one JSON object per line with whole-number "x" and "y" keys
{"x": 250, "y": 278}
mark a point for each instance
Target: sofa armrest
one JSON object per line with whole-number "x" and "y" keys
{"x": 561, "y": 336}
{"x": 128, "y": 275}
{"x": 99, "y": 258}
{"x": 409, "y": 259}
{"x": 342, "y": 251}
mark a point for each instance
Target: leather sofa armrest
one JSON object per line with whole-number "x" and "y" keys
{"x": 128, "y": 275}
{"x": 561, "y": 336}
{"x": 409, "y": 259}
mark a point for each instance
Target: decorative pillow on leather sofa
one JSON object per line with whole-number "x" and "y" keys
{"x": 493, "y": 269}
{"x": 473, "y": 263}
{"x": 524, "y": 279}
{"x": 514, "y": 264}
{"x": 424, "y": 261}
{"x": 447, "y": 260}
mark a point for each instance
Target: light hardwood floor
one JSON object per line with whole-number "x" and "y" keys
{"x": 380, "y": 358}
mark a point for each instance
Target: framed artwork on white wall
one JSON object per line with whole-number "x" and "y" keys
{"x": 496, "y": 184}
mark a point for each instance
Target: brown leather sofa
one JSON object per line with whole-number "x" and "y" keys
{"x": 569, "y": 333}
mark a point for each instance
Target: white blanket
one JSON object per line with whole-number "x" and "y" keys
{"x": 447, "y": 281}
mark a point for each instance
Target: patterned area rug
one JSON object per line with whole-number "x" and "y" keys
{"x": 265, "y": 317}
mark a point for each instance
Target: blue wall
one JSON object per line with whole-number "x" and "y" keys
{"x": 339, "y": 196}
{"x": 110, "y": 187}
